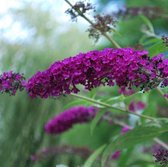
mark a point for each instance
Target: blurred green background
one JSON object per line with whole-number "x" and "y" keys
{"x": 34, "y": 34}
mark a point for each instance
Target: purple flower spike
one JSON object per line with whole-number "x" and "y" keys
{"x": 11, "y": 82}
{"x": 126, "y": 67}
{"x": 65, "y": 120}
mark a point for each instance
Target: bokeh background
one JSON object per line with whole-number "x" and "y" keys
{"x": 34, "y": 34}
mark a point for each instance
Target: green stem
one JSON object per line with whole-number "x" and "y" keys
{"x": 88, "y": 20}
{"x": 111, "y": 107}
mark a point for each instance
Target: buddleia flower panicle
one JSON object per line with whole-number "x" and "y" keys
{"x": 126, "y": 67}
{"x": 161, "y": 157}
{"x": 79, "y": 9}
{"x": 10, "y": 82}
{"x": 67, "y": 119}
{"x": 102, "y": 24}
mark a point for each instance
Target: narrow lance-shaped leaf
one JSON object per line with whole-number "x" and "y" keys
{"x": 93, "y": 156}
{"x": 96, "y": 120}
{"x": 138, "y": 135}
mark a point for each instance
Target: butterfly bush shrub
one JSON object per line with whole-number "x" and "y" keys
{"x": 132, "y": 70}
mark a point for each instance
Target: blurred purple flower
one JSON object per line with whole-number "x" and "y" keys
{"x": 83, "y": 152}
{"x": 161, "y": 157}
{"x": 166, "y": 96}
{"x": 153, "y": 148}
{"x": 102, "y": 24}
{"x": 148, "y": 11}
{"x": 67, "y": 119}
{"x": 116, "y": 155}
{"x": 125, "y": 129}
{"x": 124, "y": 67}
{"x": 10, "y": 82}
{"x": 136, "y": 106}
{"x": 79, "y": 9}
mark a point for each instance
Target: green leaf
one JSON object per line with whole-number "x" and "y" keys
{"x": 145, "y": 40}
{"x": 93, "y": 93}
{"x": 124, "y": 157}
{"x": 138, "y": 135}
{"x": 143, "y": 163}
{"x": 96, "y": 120}
{"x": 93, "y": 156}
{"x": 148, "y": 23}
{"x": 150, "y": 109}
{"x": 157, "y": 48}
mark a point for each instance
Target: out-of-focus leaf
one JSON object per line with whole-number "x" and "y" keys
{"x": 148, "y": 23}
{"x": 93, "y": 157}
{"x": 151, "y": 107}
{"x": 124, "y": 157}
{"x": 157, "y": 48}
{"x": 145, "y": 40}
{"x": 138, "y": 135}
{"x": 142, "y": 163}
{"x": 96, "y": 120}
{"x": 93, "y": 93}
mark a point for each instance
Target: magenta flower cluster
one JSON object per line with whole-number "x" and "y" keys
{"x": 67, "y": 119}
{"x": 10, "y": 82}
{"x": 124, "y": 67}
